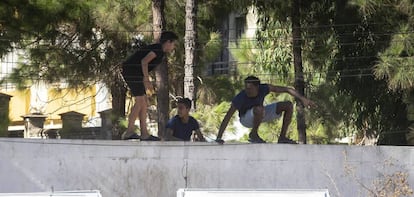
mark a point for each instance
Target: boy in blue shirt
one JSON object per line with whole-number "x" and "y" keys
{"x": 249, "y": 103}
{"x": 181, "y": 126}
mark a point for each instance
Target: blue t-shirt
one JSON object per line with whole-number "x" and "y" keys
{"x": 243, "y": 103}
{"x": 182, "y": 130}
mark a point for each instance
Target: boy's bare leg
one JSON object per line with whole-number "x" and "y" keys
{"x": 135, "y": 111}
{"x": 258, "y": 113}
{"x": 143, "y": 117}
{"x": 287, "y": 108}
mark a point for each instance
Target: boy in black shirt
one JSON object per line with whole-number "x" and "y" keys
{"x": 135, "y": 72}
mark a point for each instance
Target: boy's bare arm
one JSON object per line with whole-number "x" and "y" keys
{"x": 225, "y": 122}
{"x": 200, "y": 135}
{"x": 169, "y": 136}
{"x": 282, "y": 89}
{"x": 144, "y": 64}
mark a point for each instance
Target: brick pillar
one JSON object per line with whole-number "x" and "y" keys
{"x": 33, "y": 125}
{"x": 106, "y": 122}
{"x": 71, "y": 124}
{"x": 4, "y": 114}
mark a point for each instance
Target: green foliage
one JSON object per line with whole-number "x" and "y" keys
{"x": 347, "y": 109}
{"x": 269, "y": 132}
{"x": 212, "y": 48}
{"x": 23, "y": 20}
{"x": 375, "y": 106}
{"x": 208, "y": 39}
{"x": 81, "y": 44}
{"x": 210, "y": 122}
{"x": 58, "y": 47}
{"x": 335, "y": 115}
{"x": 357, "y": 55}
{"x": 212, "y": 12}
{"x": 216, "y": 89}
{"x": 274, "y": 57}
{"x": 124, "y": 15}
{"x": 396, "y": 62}
{"x": 245, "y": 54}
{"x": 276, "y": 49}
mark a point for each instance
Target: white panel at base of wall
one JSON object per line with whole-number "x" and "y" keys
{"x": 93, "y": 193}
{"x": 250, "y": 193}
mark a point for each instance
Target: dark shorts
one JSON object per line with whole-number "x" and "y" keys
{"x": 135, "y": 84}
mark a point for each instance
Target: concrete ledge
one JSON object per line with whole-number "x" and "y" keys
{"x": 127, "y": 168}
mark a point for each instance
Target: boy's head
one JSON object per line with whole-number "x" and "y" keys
{"x": 167, "y": 40}
{"x": 183, "y": 107}
{"x": 251, "y": 86}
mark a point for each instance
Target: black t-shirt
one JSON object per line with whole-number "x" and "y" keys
{"x": 132, "y": 65}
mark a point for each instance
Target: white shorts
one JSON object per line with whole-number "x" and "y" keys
{"x": 270, "y": 115}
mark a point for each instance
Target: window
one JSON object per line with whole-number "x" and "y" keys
{"x": 240, "y": 26}
{"x": 7, "y": 63}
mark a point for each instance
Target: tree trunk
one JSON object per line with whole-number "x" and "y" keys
{"x": 409, "y": 100}
{"x": 161, "y": 74}
{"x": 370, "y": 137}
{"x": 118, "y": 93}
{"x": 190, "y": 43}
{"x": 299, "y": 77}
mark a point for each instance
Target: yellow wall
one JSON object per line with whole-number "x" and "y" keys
{"x": 19, "y": 104}
{"x": 71, "y": 100}
{"x": 58, "y": 102}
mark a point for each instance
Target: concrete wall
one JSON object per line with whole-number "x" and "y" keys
{"x": 125, "y": 168}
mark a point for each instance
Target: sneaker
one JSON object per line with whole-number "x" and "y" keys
{"x": 286, "y": 141}
{"x": 220, "y": 141}
{"x": 151, "y": 138}
{"x": 254, "y": 138}
{"x": 134, "y": 136}
{"x": 257, "y": 140}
